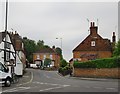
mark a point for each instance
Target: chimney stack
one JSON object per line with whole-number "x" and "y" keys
{"x": 114, "y": 38}
{"x": 93, "y": 29}
{"x": 15, "y": 32}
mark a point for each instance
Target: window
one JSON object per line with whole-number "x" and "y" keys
{"x": 1, "y": 67}
{"x": 44, "y": 56}
{"x": 51, "y": 57}
{"x": 7, "y": 56}
{"x": 92, "y": 43}
{"x": 38, "y": 57}
{"x": 7, "y": 45}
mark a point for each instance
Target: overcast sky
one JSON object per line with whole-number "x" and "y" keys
{"x": 67, "y": 20}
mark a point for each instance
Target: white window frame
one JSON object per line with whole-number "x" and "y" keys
{"x": 44, "y": 56}
{"x": 92, "y": 43}
{"x": 51, "y": 56}
{"x": 38, "y": 56}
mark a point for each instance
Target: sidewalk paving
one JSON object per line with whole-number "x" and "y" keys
{"x": 93, "y": 79}
{"x": 25, "y": 78}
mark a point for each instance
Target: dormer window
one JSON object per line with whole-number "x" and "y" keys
{"x": 92, "y": 43}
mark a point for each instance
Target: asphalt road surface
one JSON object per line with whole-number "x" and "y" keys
{"x": 51, "y": 81}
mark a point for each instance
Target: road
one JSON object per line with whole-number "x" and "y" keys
{"x": 51, "y": 81}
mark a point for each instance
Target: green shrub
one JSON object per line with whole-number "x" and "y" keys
{"x": 64, "y": 70}
{"x": 63, "y": 63}
{"x": 100, "y": 63}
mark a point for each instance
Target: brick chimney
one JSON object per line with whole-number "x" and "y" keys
{"x": 93, "y": 29}
{"x": 114, "y": 38}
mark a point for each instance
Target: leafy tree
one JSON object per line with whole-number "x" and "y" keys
{"x": 59, "y": 51}
{"x": 117, "y": 49}
{"x": 47, "y": 62}
{"x": 30, "y": 47}
{"x": 63, "y": 63}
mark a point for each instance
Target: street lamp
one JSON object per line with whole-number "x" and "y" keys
{"x": 61, "y": 42}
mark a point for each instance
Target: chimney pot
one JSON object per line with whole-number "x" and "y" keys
{"x": 113, "y": 33}
{"x": 91, "y": 24}
{"x": 15, "y": 32}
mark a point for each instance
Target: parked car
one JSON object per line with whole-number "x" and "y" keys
{"x": 33, "y": 66}
{"x": 5, "y": 76}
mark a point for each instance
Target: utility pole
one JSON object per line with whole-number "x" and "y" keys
{"x": 6, "y": 16}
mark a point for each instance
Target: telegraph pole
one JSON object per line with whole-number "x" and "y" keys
{"x": 6, "y": 20}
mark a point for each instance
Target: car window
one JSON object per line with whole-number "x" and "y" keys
{"x": 1, "y": 67}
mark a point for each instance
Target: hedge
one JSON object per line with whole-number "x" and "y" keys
{"x": 64, "y": 70}
{"x": 99, "y": 63}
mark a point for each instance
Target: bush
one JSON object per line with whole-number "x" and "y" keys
{"x": 63, "y": 63}
{"x": 64, "y": 70}
{"x": 100, "y": 63}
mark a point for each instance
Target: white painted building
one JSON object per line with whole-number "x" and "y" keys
{"x": 10, "y": 51}
{"x": 20, "y": 55}
{"x": 11, "y": 54}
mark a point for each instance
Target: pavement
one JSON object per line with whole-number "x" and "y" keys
{"x": 90, "y": 78}
{"x": 26, "y": 78}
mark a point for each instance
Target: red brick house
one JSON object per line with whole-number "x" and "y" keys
{"x": 42, "y": 54}
{"x": 93, "y": 46}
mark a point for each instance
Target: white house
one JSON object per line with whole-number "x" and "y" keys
{"x": 9, "y": 50}
{"x": 20, "y": 55}
{"x": 12, "y": 54}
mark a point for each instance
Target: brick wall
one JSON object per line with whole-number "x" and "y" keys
{"x": 102, "y": 73}
{"x": 55, "y": 57}
{"x": 101, "y": 54}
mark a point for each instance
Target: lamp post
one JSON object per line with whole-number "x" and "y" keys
{"x": 60, "y": 41}
{"x": 61, "y": 51}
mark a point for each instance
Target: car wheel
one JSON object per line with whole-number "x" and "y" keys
{"x": 7, "y": 82}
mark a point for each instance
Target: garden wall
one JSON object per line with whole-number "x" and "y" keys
{"x": 100, "y": 73}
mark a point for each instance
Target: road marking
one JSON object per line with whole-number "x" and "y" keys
{"x": 111, "y": 88}
{"x": 28, "y": 81}
{"x": 50, "y": 88}
{"x": 50, "y": 84}
{"x": 9, "y": 90}
{"x": 97, "y": 87}
{"x": 16, "y": 89}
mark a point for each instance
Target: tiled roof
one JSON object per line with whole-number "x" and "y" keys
{"x": 101, "y": 44}
{"x": 2, "y": 35}
{"x": 46, "y": 50}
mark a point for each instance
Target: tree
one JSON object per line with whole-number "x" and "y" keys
{"x": 59, "y": 52}
{"x": 30, "y": 48}
{"x": 47, "y": 62}
{"x": 63, "y": 63}
{"x": 117, "y": 49}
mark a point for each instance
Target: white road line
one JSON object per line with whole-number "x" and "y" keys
{"x": 9, "y": 90}
{"x": 50, "y": 84}
{"x": 97, "y": 87}
{"x": 28, "y": 81}
{"x": 49, "y": 89}
{"x": 111, "y": 88}
{"x": 17, "y": 89}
